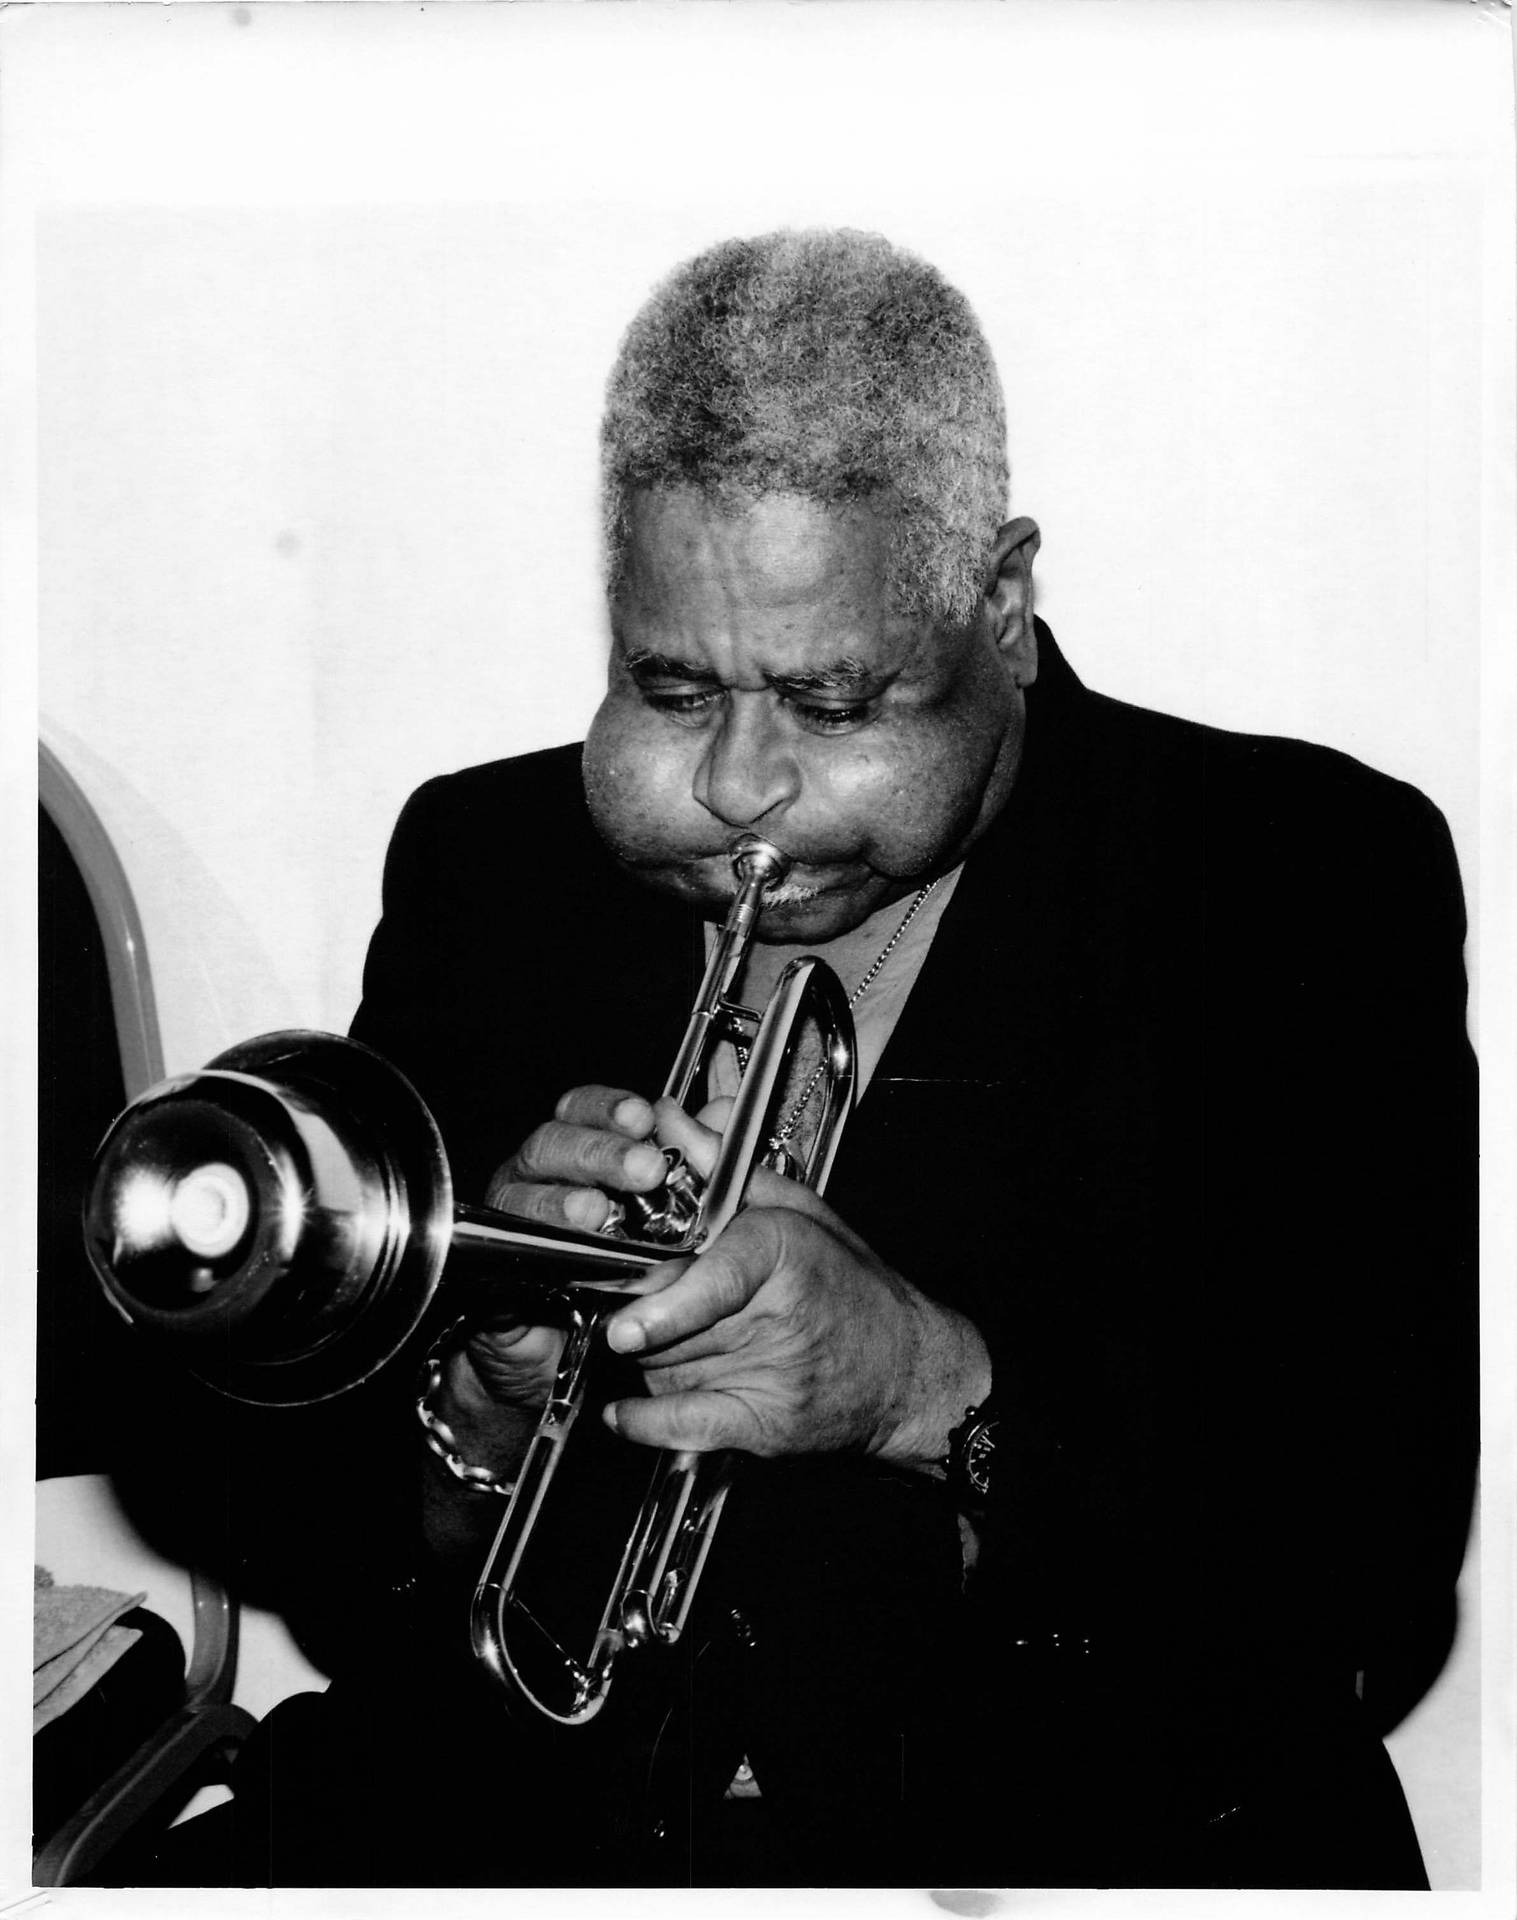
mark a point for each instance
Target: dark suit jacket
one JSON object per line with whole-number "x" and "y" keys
{"x": 1181, "y": 1113}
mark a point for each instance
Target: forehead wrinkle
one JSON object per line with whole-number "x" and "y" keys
{"x": 782, "y": 593}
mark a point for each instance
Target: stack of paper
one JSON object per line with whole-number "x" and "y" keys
{"x": 75, "y": 1639}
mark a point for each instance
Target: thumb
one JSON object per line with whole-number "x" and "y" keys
{"x": 695, "y": 1139}
{"x": 716, "y": 1113}
{"x": 699, "y": 1141}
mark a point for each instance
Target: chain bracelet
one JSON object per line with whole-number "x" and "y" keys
{"x": 439, "y": 1435}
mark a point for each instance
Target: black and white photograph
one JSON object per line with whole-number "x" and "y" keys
{"x": 767, "y": 979}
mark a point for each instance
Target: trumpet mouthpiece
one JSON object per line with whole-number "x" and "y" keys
{"x": 754, "y": 858}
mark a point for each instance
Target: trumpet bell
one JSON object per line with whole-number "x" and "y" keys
{"x": 283, "y": 1216}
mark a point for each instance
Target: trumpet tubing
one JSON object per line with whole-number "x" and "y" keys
{"x": 286, "y": 1217}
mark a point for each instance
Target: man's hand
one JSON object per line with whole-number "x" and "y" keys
{"x": 787, "y": 1335}
{"x": 599, "y": 1139}
{"x": 598, "y": 1142}
{"x": 494, "y": 1386}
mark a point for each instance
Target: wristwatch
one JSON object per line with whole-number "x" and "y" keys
{"x": 971, "y": 1455}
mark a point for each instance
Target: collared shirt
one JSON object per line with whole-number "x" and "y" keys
{"x": 876, "y": 1012}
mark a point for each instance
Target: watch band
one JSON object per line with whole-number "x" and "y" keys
{"x": 971, "y": 1454}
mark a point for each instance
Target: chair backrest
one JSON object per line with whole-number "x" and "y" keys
{"x": 123, "y": 949}
{"x": 98, "y": 1046}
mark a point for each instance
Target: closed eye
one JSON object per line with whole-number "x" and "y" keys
{"x": 831, "y": 719}
{"x": 688, "y": 702}
{"x": 694, "y": 703}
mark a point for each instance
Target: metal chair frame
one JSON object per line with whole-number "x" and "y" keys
{"x": 208, "y": 1726}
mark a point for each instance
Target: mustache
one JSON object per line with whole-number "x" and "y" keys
{"x": 787, "y": 894}
{"x": 792, "y": 891}
{"x": 720, "y": 855}
{"x": 705, "y": 870}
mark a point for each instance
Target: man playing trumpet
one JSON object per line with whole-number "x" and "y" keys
{"x": 1107, "y": 1430}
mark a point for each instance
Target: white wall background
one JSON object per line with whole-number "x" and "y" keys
{"x": 310, "y": 309}
{"x": 316, "y": 401}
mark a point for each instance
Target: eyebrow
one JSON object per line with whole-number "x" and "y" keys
{"x": 843, "y": 675}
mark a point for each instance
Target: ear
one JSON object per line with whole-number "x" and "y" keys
{"x": 1009, "y": 597}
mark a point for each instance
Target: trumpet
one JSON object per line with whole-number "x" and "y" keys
{"x": 285, "y": 1218}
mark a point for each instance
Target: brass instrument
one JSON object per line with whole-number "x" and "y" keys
{"x": 286, "y": 1216}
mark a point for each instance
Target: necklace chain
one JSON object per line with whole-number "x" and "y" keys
{"x": 793, "y": 1119}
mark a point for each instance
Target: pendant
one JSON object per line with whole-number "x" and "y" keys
{"x": 779, "y": 1159}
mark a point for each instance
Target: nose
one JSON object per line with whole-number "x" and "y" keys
{"x": 747, "y": 773}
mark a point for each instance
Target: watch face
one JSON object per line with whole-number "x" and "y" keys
{"x": 979, "y": 1451}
